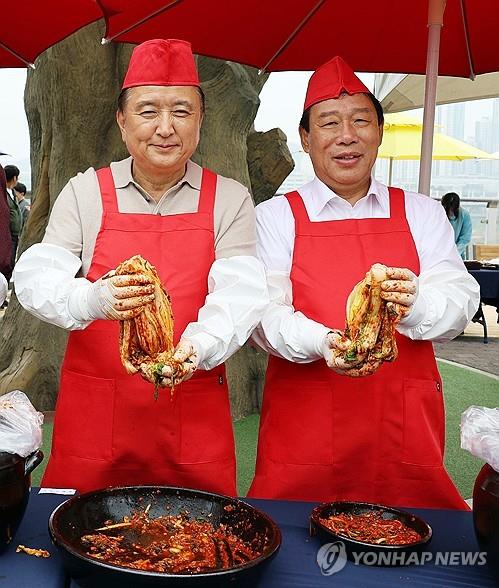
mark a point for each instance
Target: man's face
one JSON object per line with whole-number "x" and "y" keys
{"x": 343, "y": 143}
{"x": 160, "y": 126}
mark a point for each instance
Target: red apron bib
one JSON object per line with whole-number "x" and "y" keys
{"x": 327, "y": 437}
{"x": 108, "y": 428}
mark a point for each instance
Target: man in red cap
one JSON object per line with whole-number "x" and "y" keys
{"x": 198, "y": 230}
{"x": 324, "y": 434}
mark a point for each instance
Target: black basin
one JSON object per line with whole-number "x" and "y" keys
{"x": 85, "y": 513}
{"x": 15, "y": 482}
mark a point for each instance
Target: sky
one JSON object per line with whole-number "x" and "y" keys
{"x": 14, "y": 137}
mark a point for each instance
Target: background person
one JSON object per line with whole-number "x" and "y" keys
{"x": 460, "y": 220}
{"x": 325, "y": 435}
{"x": 16, "y": 216}
{"x": 5, "y": 238}
{"x": 198, "y": 230}
{"x": 20, "y": 194}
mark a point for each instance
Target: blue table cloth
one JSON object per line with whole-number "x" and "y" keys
{"x": 294, "y": 566}
{"x": 489, "y": 285}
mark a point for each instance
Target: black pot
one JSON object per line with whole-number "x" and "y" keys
{"x": 85, "y": 513}
{"x": 486, "y": 514}
{"x": 15, "y": 482}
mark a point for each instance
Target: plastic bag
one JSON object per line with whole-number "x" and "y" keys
{"x": 20, "y": 424}
{"x": 480, "y": 433}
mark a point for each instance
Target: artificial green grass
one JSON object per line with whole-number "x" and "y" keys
{"x": 462, "y": 388}
{"x": 246, "y": 434}
{"x": 36, "y": 476}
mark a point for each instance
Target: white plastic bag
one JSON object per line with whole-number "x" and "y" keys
{"x": 480, "y": 433}
{"x": 20, "y": 424}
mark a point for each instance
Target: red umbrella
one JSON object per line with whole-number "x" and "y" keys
{"x": 277, "y": 35}
{"x": 31, "y": 26}
{"x": 371, "y": 35}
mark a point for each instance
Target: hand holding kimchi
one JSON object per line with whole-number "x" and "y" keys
{"x": 146, "y": 341}
{"x": 369, "y": 337}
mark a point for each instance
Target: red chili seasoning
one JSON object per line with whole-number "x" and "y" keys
{"x": 171, "y": 544}
{"x": 371, "y": 527}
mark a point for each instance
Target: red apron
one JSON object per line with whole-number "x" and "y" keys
{"x": 327, "y": 437}
{"x": 108, "y": 428}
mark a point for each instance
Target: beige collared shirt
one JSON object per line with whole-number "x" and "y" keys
{"x": 76, "y": 216}
{"x": 44, "y": 275}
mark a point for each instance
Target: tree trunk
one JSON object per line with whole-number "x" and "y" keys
{"x": 70, "y": 103}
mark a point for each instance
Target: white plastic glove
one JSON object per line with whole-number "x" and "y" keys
{"x": 401, "y": 289}
{"x": 119, "y": 297}
{"x": 337, "y": 341}
{"x": 186, "y": 358}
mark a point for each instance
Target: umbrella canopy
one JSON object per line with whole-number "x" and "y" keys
{"x": 404, "y": 92}
{"x": 381, "y": 36}
{"x": 402, "y": 137}
{"x": 30, "y": 26}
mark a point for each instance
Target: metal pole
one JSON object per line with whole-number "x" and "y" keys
{"x": 435, "y": 21}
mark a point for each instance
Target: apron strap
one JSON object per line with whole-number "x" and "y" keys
{"x": 208, "y": 191}
{"x": 107, "y": 190}
{"x": 298, "y": 209}
{"x": 397, "y": 202}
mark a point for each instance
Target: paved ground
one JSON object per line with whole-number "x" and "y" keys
{"x": 470, "y": 350}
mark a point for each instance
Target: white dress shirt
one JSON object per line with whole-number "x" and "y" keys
{"x": 448, "y": 295}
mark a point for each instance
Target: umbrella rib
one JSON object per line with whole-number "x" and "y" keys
{"x": 467, "y": 40}
{"x": 303, "y": 22}
{"x": 17, "y": 55}
{"x": 141, "y": 21}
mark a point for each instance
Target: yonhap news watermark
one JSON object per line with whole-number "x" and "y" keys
{"x": 332, "y": 558}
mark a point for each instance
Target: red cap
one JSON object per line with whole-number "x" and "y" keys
{"x": 162, "y": 62}
{"x": 331, "y": 80}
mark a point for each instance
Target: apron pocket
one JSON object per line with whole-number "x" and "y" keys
{"x": 83, "y": 424}
{"x": 424, "y": 423}
{"x": 298, "y": 428}
{"x": 206, "y": 433}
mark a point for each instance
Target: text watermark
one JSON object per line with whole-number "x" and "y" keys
{"x": 332, "y": 558}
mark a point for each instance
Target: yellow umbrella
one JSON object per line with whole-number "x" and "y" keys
{"x": 402, "y": 140}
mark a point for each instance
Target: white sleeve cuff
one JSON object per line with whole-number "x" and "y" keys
{"x": 318, "y": 333}
{"x": 44, "y": 279}
{"x": 78, "y": 301}
{"x": 205, "y": 345}
{"x": 233, "y": 307}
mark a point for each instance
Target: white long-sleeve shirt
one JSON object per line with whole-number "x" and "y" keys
{"x": 49, "y": 277}
{"x": 448, "y": 295}
{"x": 3, "y": 288}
